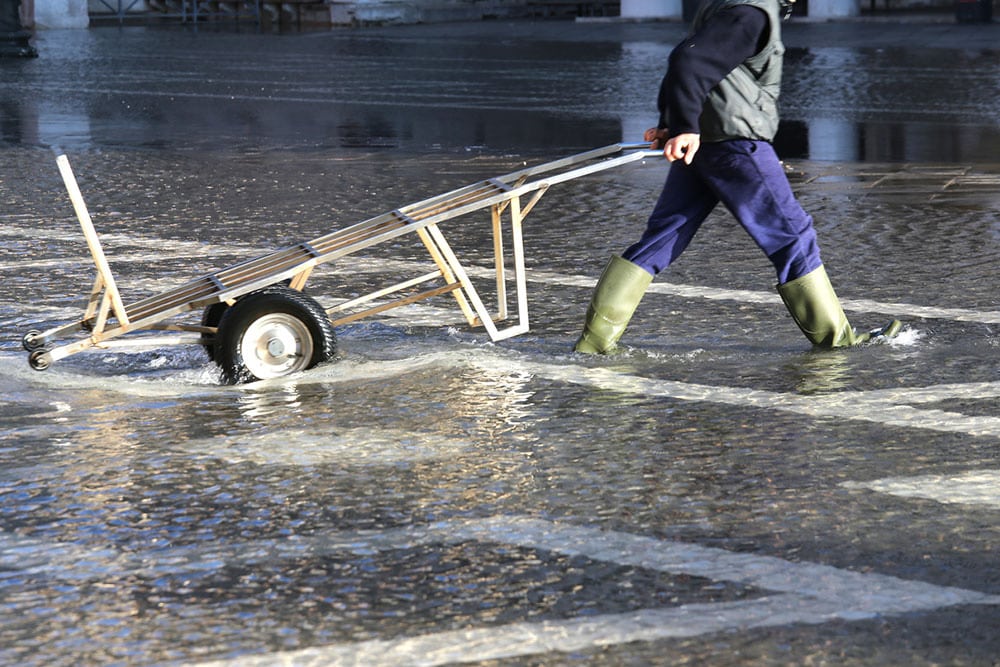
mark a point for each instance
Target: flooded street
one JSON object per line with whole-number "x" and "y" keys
{"x": 720, "y": 493}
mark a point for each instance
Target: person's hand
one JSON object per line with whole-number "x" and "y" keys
{"x": 682, "y": 147}
{"x": 656, "y": 137}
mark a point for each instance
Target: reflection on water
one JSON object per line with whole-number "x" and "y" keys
{"x": 840, "y": 140}
{"x": 260, "y": 403}
{"x": 454, "y": 93}
{"x": 821, "y": 372}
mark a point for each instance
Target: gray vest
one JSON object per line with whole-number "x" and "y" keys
{"x": 745, "y": 104}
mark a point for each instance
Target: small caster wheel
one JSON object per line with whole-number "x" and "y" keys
{"x": 40, "y": 360}
{"x": 32, "y": 340}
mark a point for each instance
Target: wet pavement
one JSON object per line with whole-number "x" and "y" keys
{"x": 719, "y": 494}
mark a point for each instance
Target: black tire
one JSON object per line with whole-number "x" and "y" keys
{"x": 210, "y": 317}
{"x": 272, "y": 333}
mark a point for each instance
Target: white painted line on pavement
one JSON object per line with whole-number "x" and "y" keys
{"x": 865, "y": 594}
{"x": 368, "y": 264}
{"x": 978, "y": 487}
{"x": 883, "y": 407}
{"x": 806, "y": 593}
{"x": 525, "y": 639}
{"x": 306, "y": 446}
{"x": 899, "y": 310}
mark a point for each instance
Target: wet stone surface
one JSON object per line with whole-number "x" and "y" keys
{"x": 719, "y": 493}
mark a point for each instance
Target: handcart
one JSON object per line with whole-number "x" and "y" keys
{"x": 256, "y": 322}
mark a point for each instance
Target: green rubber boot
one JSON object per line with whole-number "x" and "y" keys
{"x": 816, "y": 309}
{"x": 615, "y": 299}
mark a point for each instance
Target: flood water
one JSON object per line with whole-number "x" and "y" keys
{"x": 425, "y": 498}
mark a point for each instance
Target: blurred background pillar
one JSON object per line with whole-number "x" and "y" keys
{"x": 651, "y": 9}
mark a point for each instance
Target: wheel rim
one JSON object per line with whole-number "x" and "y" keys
{"x": 276, "y": 345}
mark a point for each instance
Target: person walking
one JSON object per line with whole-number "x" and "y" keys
{"x": 718, "y": 107}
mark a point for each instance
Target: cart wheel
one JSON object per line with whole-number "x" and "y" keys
{"x": 40, "y": 360}
{"x": 32, "y": 340}
{"x": 211, "y": 317}
{"x": 272, "y": 333}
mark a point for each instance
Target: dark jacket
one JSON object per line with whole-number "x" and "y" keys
{"x": 724, "y": 79}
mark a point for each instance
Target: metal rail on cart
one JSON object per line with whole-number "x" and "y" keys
{"x": 293, "y": 336}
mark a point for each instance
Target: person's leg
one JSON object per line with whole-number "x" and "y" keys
{"x": 752, "y": 184}
{"x": 750, "y": 181}
{"x": 682, "y": 206}
{"x": 616, "y": 296}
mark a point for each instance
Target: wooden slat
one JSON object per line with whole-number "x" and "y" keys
{"x": 355, "y": 234}
{"x": 235, "y": 275}
{"x": 192, "y": 291}
{"x": 444, "y": 289}
{"x": 423, "y": 210}
{"x": 293, "y": 259}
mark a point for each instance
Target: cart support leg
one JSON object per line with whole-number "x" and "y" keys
{"x": 520, "y": 279}
{"x": 498, "y": 262}
{"x": 449, "y": 276}
{"x": 93, "y": 242}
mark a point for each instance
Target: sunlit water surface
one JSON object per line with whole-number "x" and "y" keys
{"x": 142, "y": 501}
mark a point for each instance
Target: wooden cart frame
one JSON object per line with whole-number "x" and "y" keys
{"x": 290, "y": 339}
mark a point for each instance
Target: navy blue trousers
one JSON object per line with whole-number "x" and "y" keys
{"x": 748, "y": 179}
